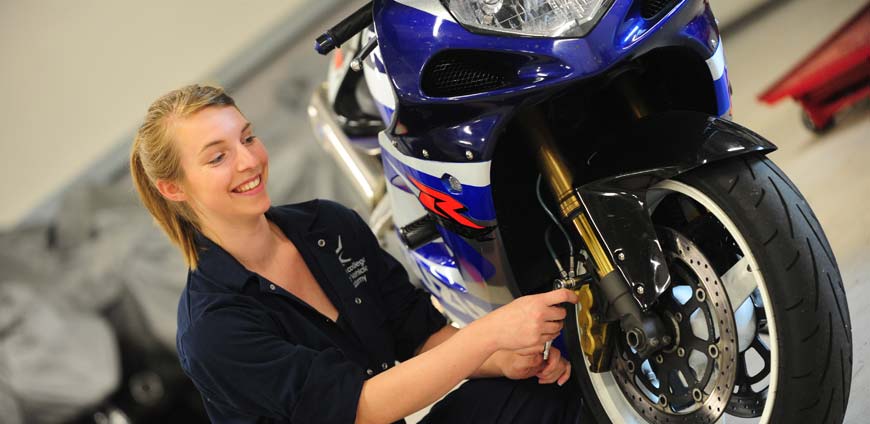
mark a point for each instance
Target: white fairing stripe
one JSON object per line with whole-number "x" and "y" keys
{"x": 716, "y": 63}
{"x": 378, "y": 82}
{"x": 470, "y": 174}
{"x": 432, "y": 7}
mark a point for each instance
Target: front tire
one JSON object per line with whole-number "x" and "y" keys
{"x": 745, "y": 208}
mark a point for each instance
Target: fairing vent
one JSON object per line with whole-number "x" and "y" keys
{"x": 652, "y": 8}
{"x": 460, "y": 73}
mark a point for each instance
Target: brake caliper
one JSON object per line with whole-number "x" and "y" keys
{"x": 594, "y": 335}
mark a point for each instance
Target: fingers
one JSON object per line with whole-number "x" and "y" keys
{"x": 559, "y": 375}
{"x": 556, "y": 297}
{"x": 555, "y": 313}
{"x": 534, "y": 350}
{"x": 557, "y": 369}
{"x": 551, "y": 328}
{"x": 554, "y": 368}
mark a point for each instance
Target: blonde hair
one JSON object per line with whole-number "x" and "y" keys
{"x": 155, "y": 156}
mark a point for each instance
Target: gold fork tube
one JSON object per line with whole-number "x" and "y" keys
{"x": 558, "y": 176}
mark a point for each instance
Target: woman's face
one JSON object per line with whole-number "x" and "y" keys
{"x": 225, "y": 166}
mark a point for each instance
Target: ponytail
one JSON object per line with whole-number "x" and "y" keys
{"x": 154, "y": 156}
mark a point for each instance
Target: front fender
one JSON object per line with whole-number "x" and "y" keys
{"x": 612, "y": 182}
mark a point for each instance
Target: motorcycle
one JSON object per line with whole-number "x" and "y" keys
{"x": 521, "y": 145}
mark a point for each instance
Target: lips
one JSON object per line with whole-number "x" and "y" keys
{"x": 248, "y": 185}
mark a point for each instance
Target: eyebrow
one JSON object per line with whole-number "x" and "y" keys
{"x": 212, "y": 143}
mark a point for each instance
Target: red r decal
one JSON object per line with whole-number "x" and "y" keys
{"x": 443, "y": 205}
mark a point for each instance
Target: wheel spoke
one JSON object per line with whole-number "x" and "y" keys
{"x": 762, "y": 349}
{"x": 664, "y": 377}
{"x": 688, "y": 373}
{"x": 759, "y": 346}
{"x": 741, "y": 379}
{"x": 696, "y": 343}
{"x": 739, "y": 282}
{"x": 761, "y": 318}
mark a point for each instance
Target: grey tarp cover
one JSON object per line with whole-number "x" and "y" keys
{"x": 58, "y": 353}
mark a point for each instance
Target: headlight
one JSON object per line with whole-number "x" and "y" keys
{"x": 535, "y": 18}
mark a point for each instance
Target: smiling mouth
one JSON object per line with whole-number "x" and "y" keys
{"x": 248, "y": 186}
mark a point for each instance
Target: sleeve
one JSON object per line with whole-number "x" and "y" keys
{"x": 237, "y": 360}
{"x": 410, "y": 314}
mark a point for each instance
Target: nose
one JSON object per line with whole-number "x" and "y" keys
{"x": 246, "y": 159}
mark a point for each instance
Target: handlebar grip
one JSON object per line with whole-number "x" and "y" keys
{"x": 344, "y": 30}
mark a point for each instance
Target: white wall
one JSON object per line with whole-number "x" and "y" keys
{"x": 76, "y": 76}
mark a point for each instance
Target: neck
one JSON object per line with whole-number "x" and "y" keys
{"x": 252, "y": 242}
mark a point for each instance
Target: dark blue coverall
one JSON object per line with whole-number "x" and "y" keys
{"x": 257, "y": 353}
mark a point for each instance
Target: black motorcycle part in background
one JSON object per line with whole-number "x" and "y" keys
{"x": 344, "y": 30}
{"x": 167, "y": 395}
{"x": 813, "y": 328}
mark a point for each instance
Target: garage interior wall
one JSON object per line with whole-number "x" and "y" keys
{"x": 78, "y": 76}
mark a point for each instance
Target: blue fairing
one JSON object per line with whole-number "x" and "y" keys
{"x": 409, "y": 37}
{"x": 438, "y": 255}
{"x": 475, "y": 265}
{"x": 465, "y": 128}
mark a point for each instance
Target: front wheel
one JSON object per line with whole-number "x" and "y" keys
{"x": 756, "y": 301}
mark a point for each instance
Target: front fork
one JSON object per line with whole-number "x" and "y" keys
{"x": 643, "y": 330}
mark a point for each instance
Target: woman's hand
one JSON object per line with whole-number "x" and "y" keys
{"x": 557, "y": 369}
{"x": 519, "y": 365}
{"x": 529, "y": 321}
{"x": 527, "y": 363}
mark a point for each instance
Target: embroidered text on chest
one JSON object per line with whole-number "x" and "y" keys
{"x": 356, "y": 269}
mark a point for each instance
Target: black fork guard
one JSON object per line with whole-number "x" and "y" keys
{"x": 613, "y": 181}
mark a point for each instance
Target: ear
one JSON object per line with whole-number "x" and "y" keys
{"x": 171, "y": 190}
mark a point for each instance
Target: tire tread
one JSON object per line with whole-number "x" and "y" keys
{"x": 739, "y": 187}
{"x": 792, "y": 268}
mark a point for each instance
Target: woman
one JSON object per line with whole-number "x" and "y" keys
{"x": 270, "y": 327}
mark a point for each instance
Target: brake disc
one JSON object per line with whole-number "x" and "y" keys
{"x": 691, "y": 381}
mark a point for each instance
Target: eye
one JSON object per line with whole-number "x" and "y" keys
{"x": 217, "y": 159}
{"x": 250, "y": 139}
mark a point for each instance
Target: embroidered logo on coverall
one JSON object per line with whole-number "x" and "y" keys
{"x": 355, "y": 269}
